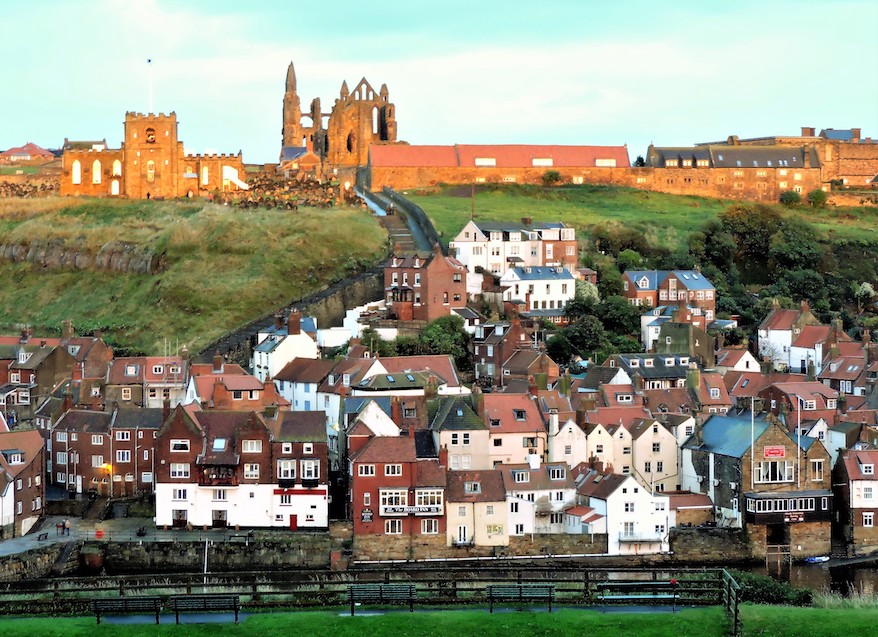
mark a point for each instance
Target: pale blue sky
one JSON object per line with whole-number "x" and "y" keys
{"x": 563, "y": 71}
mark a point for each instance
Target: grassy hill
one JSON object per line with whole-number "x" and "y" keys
{"x": 662, "y": 219}
{"x": 223, "y": 266}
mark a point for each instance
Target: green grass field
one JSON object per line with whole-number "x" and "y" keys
{"x": 223, "y": 266}
{"x": 662, "y": 219}
{"x": 768, "y": 621}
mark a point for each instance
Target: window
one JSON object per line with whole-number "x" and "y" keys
{"x": 626, "y": 451}
{"x": 628, "y": 529}
{"x": 557, "y": 473}
{"x": 817, "y": 470}
{"x": 472, "y": 487}
{"x": 310, "y": 469}
{"x": 286, "y": 469}
{"x": 179, "y": 445}
{"x": 251, "y": 446}
{"x": 867, "y": 493}
{"x": 251, "y": 471}
{"x": 123, "y": 435}
{"x": 659, "y": 466}
{"x": 286, "y": 447}
{"x": 393, "y": 498}
{"x": 519, "y": 529}
{"x": 179, "y": 494}
{"x": 366, "y": 470}
{"x": 568, "y": 449}
{"x": 629, "y": 507}
{"x": 428, "y": 527}
{"x": 367, "y": 499}
{"x": 97, "y": 440}
{"x": 61, "y": 436}
{"x": 598, "y": 448}
{"x": 429, "y": 497}
{"x": 656, "y": 447}
{"x": 647, "y": 467}
{"x": 393, "y": 469}
{"x": 97, "y": 461}
{"x": 520, "y": 476}
{"x": 868, "y": 519}
{"x": 774, "y": 471}
{"x": 513, "y": 507}
{"x": 123, "y": 455}
{"x": 286, "y": 499}
{"x": 179, "y": 470}
{"x": 219, "y": 495}
{"x": 868, "y": 469}
{"x": 556, "y": 518}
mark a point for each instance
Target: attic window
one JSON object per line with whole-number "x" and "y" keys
{"x": 157, "y": 369}
{"x": 390, "y": 379}
{"x": 410, "y": 377}
{"x": 809, "y": 405}
{"x": 648, "y": 362}
{"x": 684, "y": 360}
{"x": 486, "y": 161}
{"x": 669, "y": 362}
{"x": 130, "y": 370}
{"x": 495, "y": 422}
{"x": 73, "y": 349}
{"x": 459, "y": 412}
{"x": 643, "y": 283}
{"x": 524, "y": 476}
{"x": 868, "y": 469}
{"x": 472, "y": 487}
{"x": 22, "y": 356}
{"x": 624, "y": 398}
{"x": 16, "y": 458}
{"x": 519, "y": 414}
{"x": 219, "y": 444}
{"x": 714, "y": 392}
{"x": 634, "y": 363}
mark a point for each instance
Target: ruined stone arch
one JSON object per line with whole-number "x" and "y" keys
{"x": 96, "y": 172}
{"x": 351, "y": 142}
{"x": 374, "y": 120}
{"x": 117, "y": 168}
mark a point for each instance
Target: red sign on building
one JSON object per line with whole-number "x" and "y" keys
{"x": 775, "y": 451}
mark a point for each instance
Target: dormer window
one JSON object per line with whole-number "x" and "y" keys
{"x": 157, "y": 369}
{"x": 519, "y": 414}
{"x": 868, "y": 469}
{"x": 643, "y": 283}
{"x": 809, "y": 405}
{"x": 624, "y": 398}
{"x": 714, "y": 392}
{"x": 522, "y": 476}
{"x": 634, "y": 363}
{"x": 648, "y": 362}
{"x": 173, "y": 369}
{"x": 557, "y": 473}
{"x": 684, "y": 360}
{"x": 23, "y": 356}
{"x": 472, "y": 487}
{"x": 346, "y": 380}
{"x": 669, "y": 362}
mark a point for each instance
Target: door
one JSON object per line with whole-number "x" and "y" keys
{"x": 294, "y": 522}
{"x": 461, "y": 535}
{"x": 79, "y": 484}
{"x": 220, "y": 519}
{"x": 307, "y": 405}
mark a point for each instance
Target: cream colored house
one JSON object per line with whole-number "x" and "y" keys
{"x": 655, "y": 454}
{"x": 476, "y": 509}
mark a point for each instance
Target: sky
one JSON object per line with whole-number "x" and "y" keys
{"x": 590, "y": 72}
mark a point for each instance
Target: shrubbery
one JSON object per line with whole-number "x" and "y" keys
{"x": 762, "y": 589}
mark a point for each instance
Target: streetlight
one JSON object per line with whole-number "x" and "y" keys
{"x": 109, "y": 469}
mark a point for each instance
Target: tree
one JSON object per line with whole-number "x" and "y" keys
{"x": 629, "y": 259}
{"x": 551, "y": 177}
{"x": 585, "y": 335}
{"x": 618, "y": 315}
{"x": 794, "y": 247}
{"x": 558, "y": 348}
{"x": 371, "y": 339}
{"x": 790, "y": 198}
{"x": 446, "y": 335}
{"x": 817, "y": 198}
{"x": 640, "y": 162}
{"x": 864, "y": 294}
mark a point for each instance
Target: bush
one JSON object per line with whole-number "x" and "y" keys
{"x": 551, "y": 177}
{"x": 817, "y": 198}
{"x": 790, "y": 198}
{"x": 762, "y": 589}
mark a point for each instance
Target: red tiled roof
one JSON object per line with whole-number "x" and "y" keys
{"x": 615, "y": 415}
{"x": 811, "y": 335}
{"x": 305, "y": 370}
{"x": 28, "y": 149}
{"x": 502, "y": 407}
{"x": 384, "y": 449}
{"x": 729, "y": 357}
{"x": 683, "y": 500}
{"x": 780, "y": 320}
{"x": 490, "y": 482}
{"x": 854, "y": 461}
{"x": 504, "y": 155}
{"x": 29, "y": 442}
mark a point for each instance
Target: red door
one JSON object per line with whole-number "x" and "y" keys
{"x": 294, "y": 522}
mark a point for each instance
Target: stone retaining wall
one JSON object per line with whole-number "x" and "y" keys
{"x": 114, "y": 256}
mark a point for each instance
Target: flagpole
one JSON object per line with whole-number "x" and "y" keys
{"x": 149, "y": 74}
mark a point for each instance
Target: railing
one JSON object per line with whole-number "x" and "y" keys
{"x": 730, "y": 591}
{"x": 640, "y": 537}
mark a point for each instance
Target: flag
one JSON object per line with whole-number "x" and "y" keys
{"x": 149, "y": 61}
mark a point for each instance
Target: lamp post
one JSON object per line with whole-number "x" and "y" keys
{"x": 109, "y": 469}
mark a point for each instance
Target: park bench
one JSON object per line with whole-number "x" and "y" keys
{"x": 43, "y": 536}
{"x": 123, "y": 605}
{"x": 204, "y": 603}
{"x": 520, "y": 593}
{"x": 646, "y": 591}
{"x": 382, "y": 594}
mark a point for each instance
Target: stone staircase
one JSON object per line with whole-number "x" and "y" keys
{"x": 68, "y": 561}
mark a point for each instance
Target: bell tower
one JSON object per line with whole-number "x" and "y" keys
{"x": 292, "y": 112}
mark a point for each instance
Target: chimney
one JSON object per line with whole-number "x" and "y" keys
{"x": 542, "y": 378}
{"x": 217, "y": 363}
{"x": 842, "y": 403}
{"x": 808, "y": 131}
{"x": 812, "y": 371}
{"x": 396, "y": 411}
{"x": 294, "y": 323}
{"x": 837, "y": 327}
{"x": 553, "y": 424}
{"x": 76, "y": 372}
{"x": 166, "y": 409}
{"x": 278, "y": 321}
{"x": 67, "y": 403}
{"x": 431, "y": 390}
{"x": 532, "y": 386}
{"x": 411, "y": 432}
{"x": 855, "y": 132}
{"x": 527, "y": 221}
{"x": 25, "y": 335}
{"x": 42, "y": 344}
{"x": 693, "y": 377}
{"x": 479, "y": 401}
{"x": 564, "y": 384}
{"x": 67, "y": 330}
{"x": 270, "y": 411}
{"x": 184, "y": 353}
{"x": 443, "y": 456}
{"x": 805, "y": 307}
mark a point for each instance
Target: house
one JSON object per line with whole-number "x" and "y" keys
{"x": 22, "y": 485}
{"x": 242, "y": 469}
{"x": 29, "y": 370}
{"x": 689, "y": 509}
{"x": 538, "y": 494}
{"x": 398, "y": 490}
{"x": 856, "y": 491}
{"x": 654, "y": 455}
{"x": 795, "y": 402}
{"x": 281, "y": 342}
{"x": 543, "y": 292}
{"x": 735, "y": 360}
{"x": 686, "y": 338}
{"x": 652, "y": 371}
{"x": 423, "y": 287}
{"x": 226, "y": 386}
{"x": 762, "y": 477}
{"x": 656, "y": 287}
{"x": 493, "y": 344}
{"x": 477, "y": 509}
{"x": 635, "y": 520}
{"x": 300, "y": 379}
{"x": 30, "y": 154}
{"x": 528, "y": 365}
{"x": 494, "y": 247}
{"x": 461, "y": 432}
{"x": 515, "y": 427}
{"x": 778, "y": 331}
{"x": 147, "y": 381}
{"x": 110, "y": 453}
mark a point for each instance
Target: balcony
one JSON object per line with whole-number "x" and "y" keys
{"x": 218, "y": 477}
{"x": 640, "y": 537}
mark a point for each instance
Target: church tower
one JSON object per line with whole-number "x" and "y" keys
{"x": 292, "y": 115}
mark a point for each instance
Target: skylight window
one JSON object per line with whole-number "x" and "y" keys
{"x": 390, "y": 379}
{"x": 219, "y": 444}
{"x": 410, "y": 377}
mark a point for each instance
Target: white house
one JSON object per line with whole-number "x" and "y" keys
{"x": 539, "y": 287}
{"x": 543, "y": 491}
{"x": 280, "y": 343}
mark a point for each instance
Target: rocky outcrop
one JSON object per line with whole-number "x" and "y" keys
{"x": 114, "y": 256}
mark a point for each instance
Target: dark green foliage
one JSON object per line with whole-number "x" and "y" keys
{"x": 817, "y": 198}
{"x": 762, "y": 589}
{"x": 446, "y": 335}
{"x": 551, "y": 177}
{"x": 619, "y": 316}
{"x": 790, "y": 198}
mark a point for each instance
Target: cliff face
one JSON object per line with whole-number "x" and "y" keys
{"x": 114, "y": 256}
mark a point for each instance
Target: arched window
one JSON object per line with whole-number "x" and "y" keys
{"x": 96, "y": 172}
{"x": 350, "y": 143}
{"x": 204, "y": 176}
{"x": 117, "y": 168}
{"x": 150, "y": 171}
{"x": 114, "y": 187}
{"x": 374, "y": 120}
{"x": 76, "y": 172}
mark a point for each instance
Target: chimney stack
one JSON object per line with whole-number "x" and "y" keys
{"x": 294, "y": 323}
{"x": 278, "y": 320}
{"x": 217, "y": 363}
{"x": 184, "y": 353}
{"x": 166, "y": 409}
{"x": 479, "y": 402}
{"x": 855, "y": 132}
{"x": 67, "y": 403}
{"x": 396, "y": 411}
{"x": 443, "y": 456}
{"x": 808, "y": 131}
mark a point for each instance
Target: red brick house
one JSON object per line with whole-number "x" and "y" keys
{"x": 22, "y": 485}
{"x": 423, "y": 287}
{"x": 856, "y": 495}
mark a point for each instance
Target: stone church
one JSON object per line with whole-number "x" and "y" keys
{"x": 150, "y": 163}
{"x": 340, "y": 138}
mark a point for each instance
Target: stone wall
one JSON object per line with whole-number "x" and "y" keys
{"x": 710, "y": 545}
{"x": 31, "y": 564}
{"x": 114, "y": 256}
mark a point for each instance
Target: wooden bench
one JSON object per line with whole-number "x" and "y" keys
{"x": 646, "y": 591}
{"x": 43, "y": 536}
{"x": 127, "y": 605}
{"x": 382, "y": 594}
{"x": 520, "y": 593}
{"x": 204, "y": 603}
